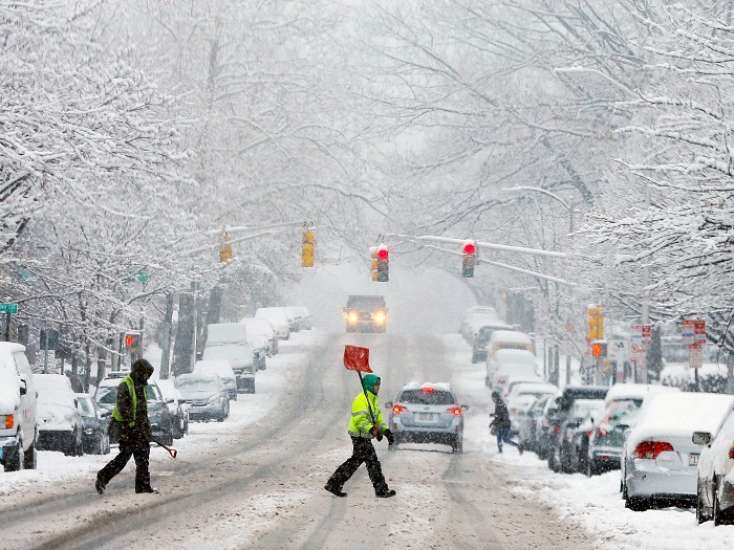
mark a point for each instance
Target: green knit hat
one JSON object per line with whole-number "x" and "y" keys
{"x": 370, "y": 381}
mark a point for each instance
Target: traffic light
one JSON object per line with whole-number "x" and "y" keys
{"x": 309, "y": 246}
{"x": 470, "y": 259}
{"x": 132, "y": 340}
{"x": 594, "y": 323}
{"x": 599, "y": 349}
{"x": 383, "y": 264}
{"x": 226, "y": 255}
{"x": 373, "y": 263}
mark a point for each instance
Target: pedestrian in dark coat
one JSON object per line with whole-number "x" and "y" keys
{"x": 501, "y": 423}
{"x": 130, "y": 418}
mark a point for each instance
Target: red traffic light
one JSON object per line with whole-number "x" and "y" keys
{"x": 131, "y": 340}
{"x": 382, "y": 254}
{"x": 470, "y": 248}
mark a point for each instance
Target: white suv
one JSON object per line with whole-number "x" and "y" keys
{"x": 18, "y": 431}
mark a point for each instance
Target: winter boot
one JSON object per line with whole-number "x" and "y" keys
{"x": 386, "y": 493}
{"x": 335, "y": 491}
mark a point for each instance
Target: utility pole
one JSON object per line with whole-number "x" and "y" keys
{"x": 167, "y": 337}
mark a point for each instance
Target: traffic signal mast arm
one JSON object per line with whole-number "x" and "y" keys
{"x": 506, "y": 266}
{"x": 493, "y": 246}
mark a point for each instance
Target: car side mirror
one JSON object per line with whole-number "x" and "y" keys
{"x": 701, "y": 438}
{"x": 388, "y": 405}
{"x": 23, "y": 387}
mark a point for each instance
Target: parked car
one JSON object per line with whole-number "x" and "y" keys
{"x": 178, "y": 410}
{"x": 18, "y": 409}
{"x": 161, "y": 421}
{"x": 511, "y": 382}
{"x": 95, "y": 423}
{"x": 510, "y": 362}
{"x": 228, "y": 342}
{"x": 366, "y": 313}
{"x": 560, "y": 415}
{"x": 574, "y": 434}
{"x": 509, "y": 339}
{"x": 482, "y": 337}
{"x": 523, "y": 396}
{"x": 608, "y": 434}
{"x": 428, "y": 413}
{"x": 293, "y": 317}
{"x": 528, "y": 426}
{"x": 259, "y": 330}
{"x": 547, "y": 428}
{"x": 660, "y": 457}
{"x": 304, "y": 317}
{"x": 275, "y": 316}
{"x": 206, "y": 395}
{"x": 223, "y": 369}
{"x": 59, "y": 422}
{"x": 715, "y": 474}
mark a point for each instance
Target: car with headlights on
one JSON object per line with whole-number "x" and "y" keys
{"x": 95, "y": 422}
{"x": 427, "y": 413}
{"x": 366, "y": 313}
{"x": 660, "y": 456}
{"x": 715, "y": 474}
{"x": 205, "y": 394}
{"x": 59, "y": 421}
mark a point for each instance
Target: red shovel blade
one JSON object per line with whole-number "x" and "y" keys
{"x": 173, "y": 452}
{"x": 357, "y": 359}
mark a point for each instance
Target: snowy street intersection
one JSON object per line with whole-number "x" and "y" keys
{"x": 255, "y": 481}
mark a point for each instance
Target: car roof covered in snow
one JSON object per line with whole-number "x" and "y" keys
{"x": 221, "y": 367}
{"x": 515, "y": 356}
{"x": 680, "y": 414}
{"x": 438, "y": 386}
{"x": 513, "y": 336}
{"x": 622, "y": 392}
{"x": 534, "y": 387}
{"x": 225, "y": 333}
{"x": 56, "y": 384}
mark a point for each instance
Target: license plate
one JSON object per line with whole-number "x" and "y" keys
{"x": 424, "y": 417}
{"x": 693, "y": 460}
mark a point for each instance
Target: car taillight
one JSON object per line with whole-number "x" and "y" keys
{"x": 456, "y": 411}
{"x": 731, "y": 452}
{"x": 397, "y": 409}
{"x": 651, "y": 449}
{"x": 9, "y": 422}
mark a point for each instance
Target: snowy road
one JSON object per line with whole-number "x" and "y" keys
{"x": 262, "y": 487}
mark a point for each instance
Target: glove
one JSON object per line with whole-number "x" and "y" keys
{"x": 376, "y": 433}
{"x": 389, "y": 436}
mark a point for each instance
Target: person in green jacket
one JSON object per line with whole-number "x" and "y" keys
{"x": 365, "y": 423}
{"x": 130, "y": 417}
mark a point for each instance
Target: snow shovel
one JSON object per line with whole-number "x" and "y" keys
{"x": 170, "y": 450}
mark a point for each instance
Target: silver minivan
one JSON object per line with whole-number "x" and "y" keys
{"x": 18, "y": 395}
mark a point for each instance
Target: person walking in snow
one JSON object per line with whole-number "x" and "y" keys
{"x": 130, "y": 417}
{"x": 365, "y": 424}
{"x": 501, "y": 423}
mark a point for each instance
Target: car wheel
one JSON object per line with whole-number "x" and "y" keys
{"x": 458, "y": 445}
{"x": 15, "y": 458}
{"x": 637, "y": 504}
{"x": 79, "y": 450}
{"x": 553, "y": 460}
{"x": 716, "y": 514}
{"x": 591, "y": 469}
{"x": 30, "y": 458}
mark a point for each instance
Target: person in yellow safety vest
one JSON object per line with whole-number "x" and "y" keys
{"x": 365, "y": 423}
{"x": 130, "y": 419}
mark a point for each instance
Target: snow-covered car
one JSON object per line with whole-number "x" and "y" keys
{"x": 715, "y": 474}
{"x": 482, "y": 337}
{"x": 474, "y": 318}
{"x": 660, "y": 458}
{"x": 509, "y": 339}
{"x": 366, "y": 313}
{"x": 261, "y": 334}
{"x": 206, "y": 396}
{"x": 511, "y": 382}
{"x": 510, "y": 362}
{"x": 427, "y": 413}
{"x": 223, "y": 369}
{"x": 546, "y": 428}
{"x": 178, "y": 410}
{"x": 560, "y": 413}
{"x": 523, "y": 395}
{"x": 304, "y": 317}
{"x": 277, "y": 318}
{"x": 59, "y": 421}
{"x": 228, "y": 342}
{"x": 18, "y": 409}
{"x": 95, "y": 422}
{"x": 608, "y": 434}
{"x": 528, "y": 432}
{"x": 574, "y": 434}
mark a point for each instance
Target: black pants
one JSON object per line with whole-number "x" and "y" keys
{"x": 141, "y": 452}
{"x": 363, "y": 451}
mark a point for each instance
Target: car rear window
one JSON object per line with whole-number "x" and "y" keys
{"x": 427, "y": 398}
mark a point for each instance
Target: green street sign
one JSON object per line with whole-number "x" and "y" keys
{"x": 143, "y": 277}
{"x": 8, "y": 308}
